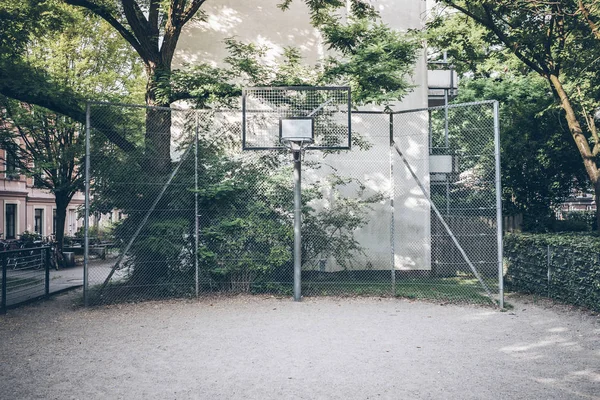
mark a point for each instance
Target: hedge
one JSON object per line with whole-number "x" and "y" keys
{"x": 565, "y": 267}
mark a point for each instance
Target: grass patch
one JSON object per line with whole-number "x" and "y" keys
{"x": 450, "y": 290}
{"x": 454, "y": 290}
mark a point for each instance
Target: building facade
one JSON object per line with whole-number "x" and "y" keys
{"x": 261, "y": 22}
{"x": 26, "y": 208}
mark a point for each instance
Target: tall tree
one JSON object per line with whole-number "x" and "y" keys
{"x": 153, "y": 27}
{"x": 540, "y": 167}
{"x": 553, "y": 39}
{"x": 46, "y": 145}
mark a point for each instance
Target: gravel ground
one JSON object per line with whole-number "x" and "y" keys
{"x": 247, "y": 347}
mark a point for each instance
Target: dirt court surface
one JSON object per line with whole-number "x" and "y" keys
{"x": 248, "y": 347}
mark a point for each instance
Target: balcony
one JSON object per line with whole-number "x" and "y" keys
{"x": 442, "y": 83}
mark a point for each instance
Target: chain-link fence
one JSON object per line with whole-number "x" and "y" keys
{"x": 411, "y": 210}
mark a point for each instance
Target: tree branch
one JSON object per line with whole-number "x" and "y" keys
{"x": 191, "y": 11}
{"x": 139, "y": 25}
{"x": 106, "y": 15}
{"x": 153, "y": 14}
{"x": 489, "y": 24}
{"x": 24, "y": 83}
{"x": 172, "y": 31}
{"x": 585, "y": 12}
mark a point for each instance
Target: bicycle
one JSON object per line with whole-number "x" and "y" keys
{"x": 56, "y": 257}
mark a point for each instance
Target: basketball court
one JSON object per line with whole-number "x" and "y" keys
{"x": 262, "y": 347}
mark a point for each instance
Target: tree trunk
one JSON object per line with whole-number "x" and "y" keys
{"x": 62, "y": 202}
{"x": 589, "y": 161}
{"x": 151, "y": 265}
{"x": 158, "y": 124}
{"x": 597, "y": 194}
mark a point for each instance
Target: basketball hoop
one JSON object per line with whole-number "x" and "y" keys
{"x": 296, "y": 133}
{"x": 296, "y": 118}
{"x": 315, "y": 118}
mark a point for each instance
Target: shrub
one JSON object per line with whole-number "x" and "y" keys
{"x": 585, "y": 218}
{"x": 29, "y": 237}
{"x": 570, "y": 225}
{"x": 565, "y": 267}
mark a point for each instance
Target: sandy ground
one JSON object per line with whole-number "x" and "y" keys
{"x": 323, "y": 348}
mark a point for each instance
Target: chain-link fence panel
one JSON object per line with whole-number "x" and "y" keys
{"x": 189, "y": 212}
{"x": 346, "y": 220}
{"x": 24, "y": 275}
{"x": 446, "y": 239}
{"x": 141, "y": 201}
{"x": 245, "y": 213}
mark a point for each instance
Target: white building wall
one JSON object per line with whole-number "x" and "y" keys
{"x": 261, "y": 22}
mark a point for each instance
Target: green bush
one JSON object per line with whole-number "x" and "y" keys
{"x": 571, "y": 225}
{"x": 565, "y": 267}
{"x": 573, "y": 221}
{"x": 585, "y": 218}
{"x": 29, "y": 237}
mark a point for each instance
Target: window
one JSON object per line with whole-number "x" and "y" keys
{"x": 38, "y": 221}
{"x": 11, "y": 221}
{"x": 54, "y": 221}
{"x": 72, "y": 223}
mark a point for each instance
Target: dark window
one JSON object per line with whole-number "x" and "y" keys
{"x": 38, "y": 220}
{"x": 11, "y": 221}
{"x": 54, "y": 221}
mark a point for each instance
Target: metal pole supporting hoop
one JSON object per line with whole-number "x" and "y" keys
{"x": 297, "y": 119}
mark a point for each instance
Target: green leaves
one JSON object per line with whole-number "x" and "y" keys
{"x": 375, "y": 60}
{"x": 564, "y": 267}
{"x": 538, "y": 159}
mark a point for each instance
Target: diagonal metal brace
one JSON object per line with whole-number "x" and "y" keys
{"x": 446, "y": 227}
{"x": 145, "y": 220}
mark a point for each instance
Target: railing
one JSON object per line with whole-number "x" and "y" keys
{"x": 25, "y": 276}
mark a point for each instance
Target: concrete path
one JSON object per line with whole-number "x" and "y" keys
{"x": 33, "y": 280}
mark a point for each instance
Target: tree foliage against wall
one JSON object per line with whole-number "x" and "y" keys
{"x": 152, "y": 28}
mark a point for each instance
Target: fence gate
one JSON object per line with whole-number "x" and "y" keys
{"x": 176, "y": 209}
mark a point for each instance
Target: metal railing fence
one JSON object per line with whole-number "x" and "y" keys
{"x": 412, "y": 210}
{"x": 25, "y": 276}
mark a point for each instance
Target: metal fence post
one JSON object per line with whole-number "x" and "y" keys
{"x": 86, "y": 221}
{"x": 47, "y": 269}
{"x": 196, "y": 216}
{"x": 548, "y": 265}
{"x": 499, "y": 231}
{"x": 392, "y": 194}
{"x": 4, "y": 283}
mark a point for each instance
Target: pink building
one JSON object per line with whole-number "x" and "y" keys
{"x": 26, "y": 208}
